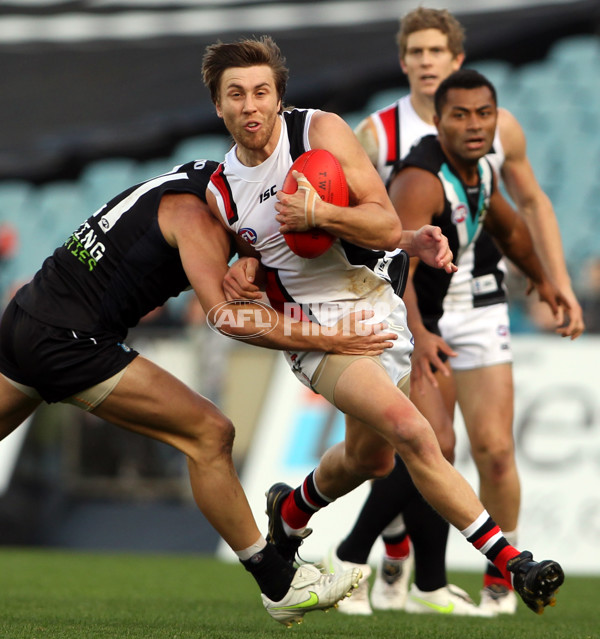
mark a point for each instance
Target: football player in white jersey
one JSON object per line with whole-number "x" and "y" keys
{"x": 430, "y": 45}
{"x": 247, "y": 82}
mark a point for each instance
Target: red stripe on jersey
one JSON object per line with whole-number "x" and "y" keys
{"x": 389, "y": 119}
{"x": 278, "y": 296}
{"x": 220, "y": 181}
{"x": 479, "y": 543}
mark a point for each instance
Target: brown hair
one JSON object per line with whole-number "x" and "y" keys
{"x": 244, "y": 53}
{"x": 441, "y": 19}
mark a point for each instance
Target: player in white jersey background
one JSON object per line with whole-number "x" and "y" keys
{"x": 430, "y": 45}
{"x": 247, "y": 82}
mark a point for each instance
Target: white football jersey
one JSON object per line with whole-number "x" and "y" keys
{"x": 327, "y": 287}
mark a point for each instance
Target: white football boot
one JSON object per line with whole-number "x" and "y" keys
{"x": 499, "y": 599}
{"x": 311, "y": 590}
{"x": 358, "y": 604}
{"x": 449, "y": 600}
{"x": 391, "y": 583}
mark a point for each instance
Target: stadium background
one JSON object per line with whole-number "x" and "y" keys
{"x": 100, "y": 94}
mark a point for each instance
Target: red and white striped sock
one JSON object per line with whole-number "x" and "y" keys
{"x": 487, "y": 537}
{"x": 301, "y": 504}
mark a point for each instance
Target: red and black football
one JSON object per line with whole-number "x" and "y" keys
{"x": 322, "y": 169}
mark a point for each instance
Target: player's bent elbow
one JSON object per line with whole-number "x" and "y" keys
{"x": 387, "y": 241}
{"x": 393, "y": 239}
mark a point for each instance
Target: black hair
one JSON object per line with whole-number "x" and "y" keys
{"x": 461, "y": 79}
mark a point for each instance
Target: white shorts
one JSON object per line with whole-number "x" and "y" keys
{"x": 395, "y": 360}
{"x": 480, "y": 336}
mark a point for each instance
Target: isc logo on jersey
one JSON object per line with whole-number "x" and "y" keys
{"x": 459, "y": 214}
{"x": 248, "y": 234}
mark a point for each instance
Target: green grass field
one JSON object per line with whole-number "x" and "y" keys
{"x": 66, "y": 595}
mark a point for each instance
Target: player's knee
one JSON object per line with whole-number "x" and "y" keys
{"x": 409, "y": 427}
{"x": 419, "y": 445}
{"x": 220, "y": 433}
{"x": 495, "y": 459}
{"x": 374, "y": 466}
{"x": 502, "y": 464}
{"x": 212, "y": 439}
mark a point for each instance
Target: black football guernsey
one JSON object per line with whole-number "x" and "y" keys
{"x": 116, "y": 266}
{"x": 479, "y": 280}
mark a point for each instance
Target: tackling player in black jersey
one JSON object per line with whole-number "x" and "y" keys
{"x": 62, "y": 340}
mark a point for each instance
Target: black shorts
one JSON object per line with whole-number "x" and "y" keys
{"x": 57, "y": 362}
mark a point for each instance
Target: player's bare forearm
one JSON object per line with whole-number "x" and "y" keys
{"x": 543, "y": 225}
{"x": 512, "y": 235}
{"x": 260, "y": 325}
{"x": 516, "y": 243}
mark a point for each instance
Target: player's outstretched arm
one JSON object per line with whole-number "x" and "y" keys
{"x": 417, "y": 196}
{"x": 536, "y": 208}
{"x": 510, "y": 231}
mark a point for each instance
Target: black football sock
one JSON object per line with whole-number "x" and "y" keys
{"x": 272, "y": 573}
{"x": 386, "y": 500}
{"x": 428, "y": 532}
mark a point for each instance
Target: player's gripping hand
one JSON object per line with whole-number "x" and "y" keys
{"x": 297, "y": 211}
{"x": 351, "y": 336}
{"x": 431, "y": 246}
{"x": 239, "y": 281}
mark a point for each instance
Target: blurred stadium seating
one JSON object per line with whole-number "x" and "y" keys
{"x": 555, "y": 100}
